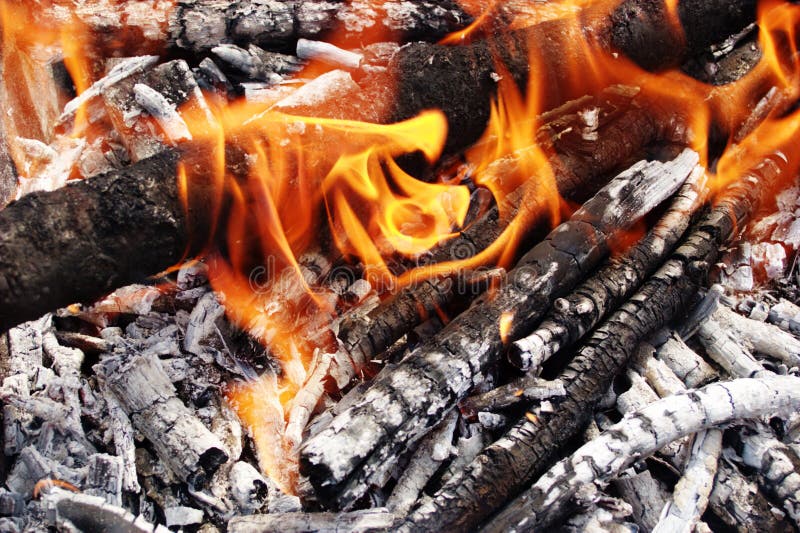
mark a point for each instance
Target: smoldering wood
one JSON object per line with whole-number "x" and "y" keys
{"x": 624, "y": 126}
{"x": 504, "y": 468}
{"x": 727, "y": 352}
{"x": 641, "y": 435}
{"x": 612, "y": 285}
{"x": 442, "y": 369}
{"x": 776, "y": 466}
{"x": 368, "y": 520}
{"x": 690, "y": 497}
{"x": 646, "y": 496}
{"x": 433, "y": 450}
{"x": 692, "y": 369}
{"x": 181, "y": 440}
{"x": 84, "y": 240}
{"x": 739, "y": 504}
{"x": 786, "y": 316}
{"x": 91, "y": 513}
{"x": 528, "y": 388}
{"x": 760, "y": 337}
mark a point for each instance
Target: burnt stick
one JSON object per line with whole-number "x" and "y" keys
{"x": 441, "y": 371}
{"x": 504, "y": 468}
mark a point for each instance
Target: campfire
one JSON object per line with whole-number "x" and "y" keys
{"x": 399, "y": 265}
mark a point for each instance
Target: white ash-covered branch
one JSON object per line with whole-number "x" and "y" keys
{"x": 641, "y": 434}
{"x": 443, "y": 368}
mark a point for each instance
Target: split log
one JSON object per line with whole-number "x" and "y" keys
{"x": 760, "y": 337}
{"x": 369, "y": 520}
{"x": 530, "y": 445}
{"x": 180, "y": 439}
{"x": 584, "y": 308}
{"x": 641, "y": 435}
{"x": 442, "y": 369}
{"x": 691, "y": 494}
{"x": 685, "y": 363}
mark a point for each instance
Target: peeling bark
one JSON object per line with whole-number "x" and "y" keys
{"x": 442, "y": 369}
{"x": 641, "y": 435}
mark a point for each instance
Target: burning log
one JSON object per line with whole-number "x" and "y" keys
{"x": 181, "y": 440}
{"x": 642, "y": 434}
{"x": 81, "y": 241}
{"x": 623, "y": 127}
{"x": 583, "y": 309}
{"x": 442, "y": 369}
{"x": 528, "y": 446}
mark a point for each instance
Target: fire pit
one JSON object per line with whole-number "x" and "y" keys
{"x": 399, "y": 265}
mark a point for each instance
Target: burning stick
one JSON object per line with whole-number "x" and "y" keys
{"x": 529, "y": 445}
{"x": 642, "y": 434}
{"x": 443, "y": 369}
{"x": 582, "y": 310}
{"x": 624, "y": 127}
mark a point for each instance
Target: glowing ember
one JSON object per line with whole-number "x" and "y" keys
{"x": 278, "y": 181}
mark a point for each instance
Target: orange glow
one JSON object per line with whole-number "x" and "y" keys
{"x": 506, "y": 321}
{"x": 262, "y": 183}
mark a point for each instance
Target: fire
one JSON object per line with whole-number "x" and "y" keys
{"x": 272, "y": 183}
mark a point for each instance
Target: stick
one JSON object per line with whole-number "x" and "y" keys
{"x": 528, "y": 446}
{"x": 443, "y": 368}
{"x": 584, "y": 308}
{"x": 691, "y": 494}
{"x": 641, "y": 435}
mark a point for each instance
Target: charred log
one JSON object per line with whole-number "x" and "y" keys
{"x": 504, "y": 468}
{"x": 84, "y": 240}
{"x": 579, "y": 312}
{"x": 642, "y": 434}
{"x": 442, "y": 369}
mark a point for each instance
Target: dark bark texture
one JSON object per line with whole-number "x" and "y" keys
{"x": 503, "y": 469}
{"x": 88, "y": 238}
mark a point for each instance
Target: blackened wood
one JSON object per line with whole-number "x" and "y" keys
{"x": 198, "y": 25}
{"x": 583, "y": 309}
{"x": 624, "y": 126}
{"x": 82, "y": 241}
{"x": 368, "y": 520}
{"x": 404, "y": 401}
{"x": 507, "y": 466}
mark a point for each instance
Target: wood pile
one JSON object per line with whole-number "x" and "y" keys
{"x": 632, "y": 366}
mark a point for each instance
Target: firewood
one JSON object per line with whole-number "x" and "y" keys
{"x": 624, "y": 126}
{"x": 760, "y": 337}
{"x": 442, "y": 369}
{"x": 727, "y": 352}
{"x": 646, "y": 496}
{"x": 84, "y": 512}
{"x": 433, "y": 450}
{"x": 786, "y": 316}
{"x": 81, "y": 241}
{"x": 775, "y": 463}
{"x": 584, "y": 308}
{"x": 368, "y": 520}
{"x": 739, "y": 503}
{"x": 691, "y": 494}
{"x": 685, "y": 363}
{"x": 525, "y": 389}
{"x": 532, "y": 442}
{"x": 150, "y": 400}
{"x": 667, "y": 420}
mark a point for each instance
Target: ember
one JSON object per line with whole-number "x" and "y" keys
{"x": 399, "y": 265}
